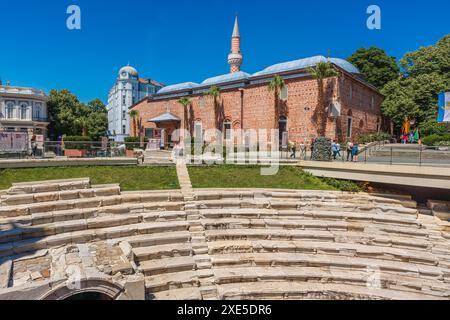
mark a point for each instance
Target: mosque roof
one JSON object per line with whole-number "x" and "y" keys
{"x": 229, "y": 77}
{"x": 274, "y": 69}
{"x": 178, "y": 87}
{"x": 306, "y": 63}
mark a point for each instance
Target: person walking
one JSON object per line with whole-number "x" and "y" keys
{"x": 355, "y": 152}
{"x": 349, "y": 151}
{"x": 334, "y": 149}
{"x": 33, "y": 146}
{"x": 312, "y": 147}
{"x": 293, "y": 149}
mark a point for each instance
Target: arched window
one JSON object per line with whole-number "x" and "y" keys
{"x": 37, "y": 111}
{"x": 10, "y": 110}
{"x": 23, "y": 111}
{"x": 284, "y": 93}
{"x": 361, "y": 124}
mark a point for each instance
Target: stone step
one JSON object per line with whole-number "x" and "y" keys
{"x": 189, "y": 293}
{"x": 167, "y": 265}
{"x": 309, "y": 235}
{"x": 179, "y": 237}
{"x": 300, "y": 205}
{"x": 162, "y": 251}
{"x": 164, "y": 216}
{"x": 20, "y": 199}
{"x": 369, "y": 278}
{"x": 326, "y": 261}
{"x": 142, "y": 234}
{"x": 304, "y": 195}
{"x": 51, "y": 229}
{"x": 172, "y": 281}
{"x": 344, "y": 249}
{"x": 49, "y": 186}
{"x": 150, "y": 202}
{"x": 232, "y": 223}
{"x": 350, "y": 216}
{"x": 298, "y": 291}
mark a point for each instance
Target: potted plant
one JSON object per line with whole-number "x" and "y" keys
{"x": 76, "y": 146}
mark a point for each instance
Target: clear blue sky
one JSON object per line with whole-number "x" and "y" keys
{"x": 188, "y": 40}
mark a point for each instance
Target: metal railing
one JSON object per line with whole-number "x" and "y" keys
{"x": 375, "y": 153}
{"x": 73, "y": 149}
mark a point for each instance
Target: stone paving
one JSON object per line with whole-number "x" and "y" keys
{"x": 58, "y": 238}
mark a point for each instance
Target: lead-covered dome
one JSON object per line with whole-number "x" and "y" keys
{"x": 128, "y": 71}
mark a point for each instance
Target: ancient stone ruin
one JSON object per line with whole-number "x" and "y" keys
{"x": 60, "y": 239}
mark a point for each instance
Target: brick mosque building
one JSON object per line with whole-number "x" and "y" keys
{"x": 245, "y": 102}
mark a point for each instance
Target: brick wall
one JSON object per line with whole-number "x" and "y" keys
{"x": 257, "y": 103}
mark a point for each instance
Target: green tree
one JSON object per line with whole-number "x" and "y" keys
{"x": 134, "y": 115}
{"x": 97, "y": 105}
{"x": 82, "y": 122}
{"x": 185, "y": 103}
{"x": 276, "y": 85}
{"x": 414, "y": 95}
{"x": 68, "y": 116}
{"x": 376, "y": 65}
{"x": 320, "y": 72}
{"x": 63, "y": 110}
{"x": 214, "y": 92}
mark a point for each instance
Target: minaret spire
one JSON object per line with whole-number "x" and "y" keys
{"x": 235, "y": 57}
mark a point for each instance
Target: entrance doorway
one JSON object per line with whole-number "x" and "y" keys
{"x": 282, "y": 125}
{"x": 89, "y": 296}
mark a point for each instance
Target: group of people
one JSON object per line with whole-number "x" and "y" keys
{"x": 412, "y": 137}
{"x": 351, "y": 148}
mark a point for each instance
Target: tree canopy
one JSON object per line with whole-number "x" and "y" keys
{"x": 414, "y": 94}
{"x": 68, "y": 116}
{"x": 376, "y": 65}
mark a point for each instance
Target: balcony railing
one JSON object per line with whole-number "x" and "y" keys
{"x": 40, "y": 119}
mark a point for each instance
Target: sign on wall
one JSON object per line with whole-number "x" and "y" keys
{"x": 444, "y": 107}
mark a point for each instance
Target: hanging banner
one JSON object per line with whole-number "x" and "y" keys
{"x": 444, "y": 107}
{"x": 5, "y": 141}
{"x": 19, "y": 141}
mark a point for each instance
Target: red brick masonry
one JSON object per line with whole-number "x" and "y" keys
{"x": 251, "y": 106}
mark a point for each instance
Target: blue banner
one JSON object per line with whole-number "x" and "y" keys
{"x": 444, "y": 107}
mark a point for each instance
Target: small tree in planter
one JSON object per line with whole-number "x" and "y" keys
{"x": 133, "y": 143}
{"x": 76, "y": 146}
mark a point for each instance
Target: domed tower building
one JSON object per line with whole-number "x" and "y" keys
{"x": 128, "y": 89}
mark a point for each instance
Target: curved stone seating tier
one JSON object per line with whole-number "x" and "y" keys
{"x": 225, "y": 244}
{"x": 310, "y": 290}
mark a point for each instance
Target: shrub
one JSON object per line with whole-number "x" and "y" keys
{"x": 322, "y": 149}
{"x": 343, "y": 185}
{"x": 442, "y": 144}
{"x": 134, "y": 142}
{"x": 431, "y": 140}
{"x": 431, "y": 127}
{"x": 77, "y": 142}
{"x": 373, "y": 137}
